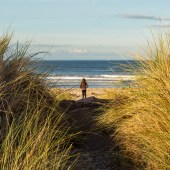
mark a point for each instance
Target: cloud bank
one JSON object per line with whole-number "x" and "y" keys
{"x": 78, "y": 51}
{"x": 143, "y": 17}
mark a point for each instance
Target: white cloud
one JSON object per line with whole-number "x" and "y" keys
{"x": 78, "y": 51}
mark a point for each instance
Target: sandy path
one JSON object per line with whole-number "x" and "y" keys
{"x": 95, "y": 149}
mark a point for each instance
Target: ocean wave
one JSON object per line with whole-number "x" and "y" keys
{"x": 129, "y": 77}
{"x": 96, "y": 78}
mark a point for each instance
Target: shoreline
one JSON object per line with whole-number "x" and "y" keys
{"x": 76, "y": 93}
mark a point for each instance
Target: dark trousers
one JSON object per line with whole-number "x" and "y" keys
{"x": 83, "y": 94}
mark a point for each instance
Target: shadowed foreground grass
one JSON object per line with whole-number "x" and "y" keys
{"x": 140, "y": 118}
{"x": 32, "y": 135}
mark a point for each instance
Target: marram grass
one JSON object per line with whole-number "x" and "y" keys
{"x": 140, "y": 121}
{"x": 33, "y": 133}
{"x": 29, "y": 145}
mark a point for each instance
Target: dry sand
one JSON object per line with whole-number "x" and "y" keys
{"x": 76, "y": 93}
{"x": 90, "y": 92}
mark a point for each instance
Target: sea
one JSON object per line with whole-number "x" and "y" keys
{"x": 98, "y": 73}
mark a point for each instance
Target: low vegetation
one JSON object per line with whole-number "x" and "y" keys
{"x": 32, "y": 135}
{"x": 139, "y": 118}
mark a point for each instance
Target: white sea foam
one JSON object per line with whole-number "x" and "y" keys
{"x": 123, "y": 77}
{"x": 97, "y": 78}
{"x": 64, "y": 78}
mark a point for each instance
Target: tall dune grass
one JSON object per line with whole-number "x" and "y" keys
{"x": 142, "y": 119}
{"x": 32, "y": 130}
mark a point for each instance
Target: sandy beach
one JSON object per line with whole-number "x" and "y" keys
{"x": 76, "y": 94}
{"x": 97, "y": 92}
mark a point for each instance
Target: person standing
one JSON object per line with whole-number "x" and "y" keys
{"x": 83, "y": 87}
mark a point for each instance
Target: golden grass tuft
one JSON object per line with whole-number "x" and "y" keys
{"x": 141, "y": 119}
{"x": 32, "y": 135}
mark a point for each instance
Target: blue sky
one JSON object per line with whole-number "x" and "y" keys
{"x": 84, "y": 29}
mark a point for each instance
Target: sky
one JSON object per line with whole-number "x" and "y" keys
{"x": 84, "y": 29}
